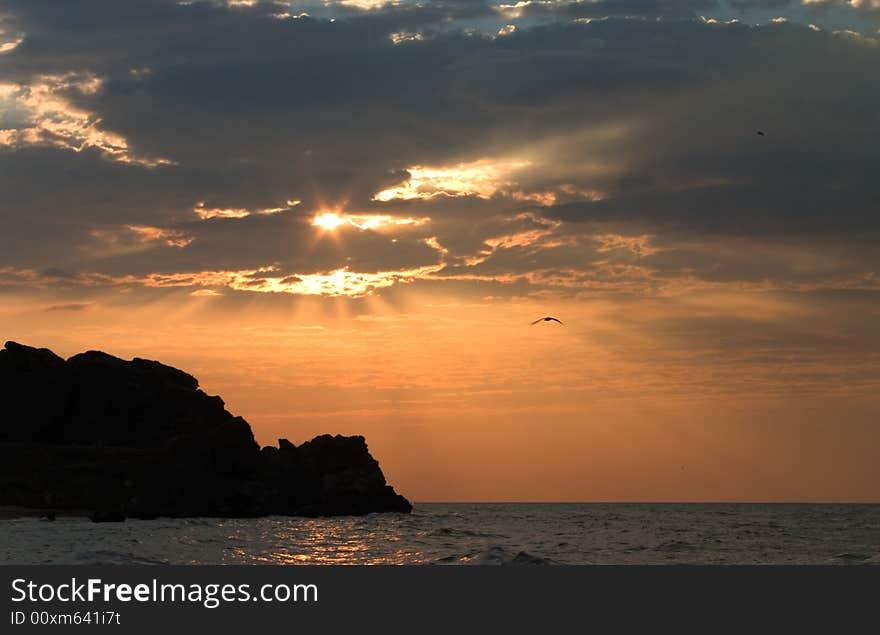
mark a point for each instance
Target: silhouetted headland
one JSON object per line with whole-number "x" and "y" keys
{"x": 114, "y": 439}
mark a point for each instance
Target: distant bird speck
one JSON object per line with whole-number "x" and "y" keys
{"x": 760, "y": 133}
{"x": 547, "y": 319}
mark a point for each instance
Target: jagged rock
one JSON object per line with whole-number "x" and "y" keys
{"x": 35, "y": 395}
{"x": 140, "y": 439}
{"x": 328, "y": 475}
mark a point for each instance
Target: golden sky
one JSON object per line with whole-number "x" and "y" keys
{"x": 464, "y": 400}
{"x": 343, "y": 217}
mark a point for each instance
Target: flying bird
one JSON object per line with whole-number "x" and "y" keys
{"x": 760, "y": 133}
{"x": 547, "y": 319}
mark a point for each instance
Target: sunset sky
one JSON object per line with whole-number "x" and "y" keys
{"x": 342, "y": 217}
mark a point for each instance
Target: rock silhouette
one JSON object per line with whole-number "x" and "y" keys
{"x": 116, "y": 439}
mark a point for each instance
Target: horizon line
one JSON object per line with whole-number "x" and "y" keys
{"x": 669, "y": 502}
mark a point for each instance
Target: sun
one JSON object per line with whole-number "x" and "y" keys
{"x": 328, "y": 220}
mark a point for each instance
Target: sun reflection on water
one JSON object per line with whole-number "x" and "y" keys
{"x": 333, "y": 541}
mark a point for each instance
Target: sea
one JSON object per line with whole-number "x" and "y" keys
{"x": 512, "y": 534}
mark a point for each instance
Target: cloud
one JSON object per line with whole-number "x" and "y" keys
{"x": 602, "y": 9}
{"x": 39, "y": 113}
{"x": 483, "y": 178}
{"x": 135, "y": 238}
{"x": 639, "y": 245}
{"x": 9, "y": 44}
{"x": 744, "y": 5}
{"x": 206, "y": 213}
{"x": 76, "y": 307}
{"x": 378, "y": 222}
{"x": 619, "y": 150}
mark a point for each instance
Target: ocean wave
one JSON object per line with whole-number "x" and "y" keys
{"x": 850, "y": 558}
{"x": 473, "y": 534}
{"x": 496, "y": 556}
{"x": 467, "y": 533}
{"x": 674, "y": 546}
{"x": 114, "y": 557}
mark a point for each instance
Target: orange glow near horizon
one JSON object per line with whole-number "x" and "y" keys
{"x": 463, "y": 400}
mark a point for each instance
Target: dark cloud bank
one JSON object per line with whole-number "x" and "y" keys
{"x": 640, "y": 117}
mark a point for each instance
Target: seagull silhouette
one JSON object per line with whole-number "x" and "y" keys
{"x": 547, "y": 319}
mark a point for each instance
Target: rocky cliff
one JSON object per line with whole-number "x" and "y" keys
{"x": 137, "y": 438}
